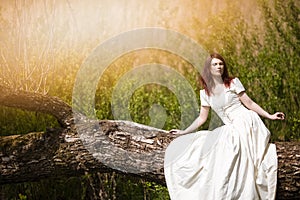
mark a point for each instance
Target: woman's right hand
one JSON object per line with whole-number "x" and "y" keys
{"x": 277, "y": 115}
{"x": 176, "y": 132}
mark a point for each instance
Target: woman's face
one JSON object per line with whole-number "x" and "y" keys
{"x": 216, "y": 67}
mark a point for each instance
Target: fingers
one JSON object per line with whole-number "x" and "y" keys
{"x": 280, "y": 115}
{"x": 175, "y": 131}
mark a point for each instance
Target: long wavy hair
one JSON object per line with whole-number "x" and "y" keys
{"x": 206, "y": 79}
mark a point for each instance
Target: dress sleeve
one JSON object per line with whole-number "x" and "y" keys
{"x": 203, "y": 98}
{"x": 238, "y": 86}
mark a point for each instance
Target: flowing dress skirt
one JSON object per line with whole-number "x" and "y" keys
{"x": 234, "y": 161}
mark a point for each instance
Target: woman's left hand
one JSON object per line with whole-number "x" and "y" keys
{"x": 277, "y": 115}
{"x": 176, "y": 132}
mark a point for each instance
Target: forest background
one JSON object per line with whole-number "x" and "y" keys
{"x": 44, "y": 43}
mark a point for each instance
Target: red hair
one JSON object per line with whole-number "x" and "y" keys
{"x": 206, "y": 77}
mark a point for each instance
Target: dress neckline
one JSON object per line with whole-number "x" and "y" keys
{"x": 222, "y": 91}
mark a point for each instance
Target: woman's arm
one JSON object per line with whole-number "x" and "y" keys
{"x": 250, "y": 104}
{"x": 197, "y": 122}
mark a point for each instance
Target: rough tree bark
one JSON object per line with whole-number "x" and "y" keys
{"x": 103, "y": 146}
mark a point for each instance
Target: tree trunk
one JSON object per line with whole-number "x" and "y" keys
{"x": 102, "y": 146}
{"x": 36, "y": 102}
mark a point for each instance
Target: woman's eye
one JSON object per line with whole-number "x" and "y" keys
{"x": 215, "y": 64}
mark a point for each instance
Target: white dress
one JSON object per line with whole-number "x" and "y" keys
{"x": 234, "y": 161}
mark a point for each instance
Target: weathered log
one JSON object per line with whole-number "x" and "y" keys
{"x": 60, "y": 152}
{"x": 36, "y": 102}
{"x": 86, "y": 146}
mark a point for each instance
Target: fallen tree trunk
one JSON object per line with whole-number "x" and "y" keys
{"x": 91, "y": 146}
{"x": 58, "y": 153}
{"x": 36, "y": 102}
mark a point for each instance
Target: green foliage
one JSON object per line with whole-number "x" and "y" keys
{"x": 148, "y": 102}
{"x": 15, "y": 121}
{"x": 266, "y": 60}
{"x": 155, "y": 191}
{"x": 136, "y": 189}
{"x": 49, "y": 189}
{"x": 22, "y": 197}
{"x": 118, "y": 187}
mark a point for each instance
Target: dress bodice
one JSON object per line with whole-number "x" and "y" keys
{"x": 227, "y": 104}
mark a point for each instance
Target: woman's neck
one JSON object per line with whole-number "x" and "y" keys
{"x": 218, "y": 80}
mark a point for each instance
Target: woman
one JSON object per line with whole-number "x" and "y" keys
{"x": 233, "y": 161}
